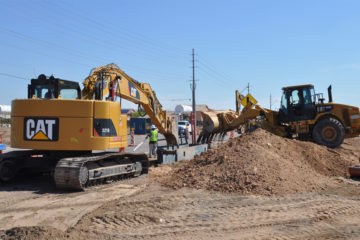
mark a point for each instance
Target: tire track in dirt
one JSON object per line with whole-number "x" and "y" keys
{"x": 58, "y": 210}
{"x": 163, "y": 214}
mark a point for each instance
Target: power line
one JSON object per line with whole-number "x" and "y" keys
{"x": 180, "y": 99}
{"x": 153, "y": 75}
{"x": 43, "y": 54}
{"x": 216, "y": 73}
{"x": 131, "y": 34}
{"x": 48, "y": 44}
{"x": 218, "y": 80}
{"x": 80, "y": 34}
{"x": 210, "y": 65}
{"x": 13, "y": 76}
{"x": 105, "y": 28}
{"x": 78, "y": 53}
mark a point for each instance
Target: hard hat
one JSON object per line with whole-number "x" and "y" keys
{"x": 153, "y": 126}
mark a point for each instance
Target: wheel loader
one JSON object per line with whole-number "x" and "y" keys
{"x": 303, "y": 114}
{"x": 61, "y": 125}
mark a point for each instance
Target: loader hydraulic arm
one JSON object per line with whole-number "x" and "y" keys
{"x": 217, "y": 123}
{"x": 110, "y": 82}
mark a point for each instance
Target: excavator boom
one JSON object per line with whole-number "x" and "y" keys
{"x": 110, "y": 81}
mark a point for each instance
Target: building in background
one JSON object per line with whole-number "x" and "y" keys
{"x": 5, "y": 111}
{"x": 5, "y": 115}
{"x": 128, "y": 112}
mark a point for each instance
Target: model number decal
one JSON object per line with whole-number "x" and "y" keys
{"x": 105, "y": 130}
{"x": 327, "y": 108}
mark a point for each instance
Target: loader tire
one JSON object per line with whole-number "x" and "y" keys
{"x": 329, "y": 132}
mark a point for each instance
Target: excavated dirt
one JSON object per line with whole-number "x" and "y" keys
{"x": 262, "y": 163}
{"x": 140, "y": 208}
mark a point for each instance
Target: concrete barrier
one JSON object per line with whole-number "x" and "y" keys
{"x": 180, "y": 154}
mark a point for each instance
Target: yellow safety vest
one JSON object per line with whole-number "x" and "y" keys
{"x": 153, "y": 135}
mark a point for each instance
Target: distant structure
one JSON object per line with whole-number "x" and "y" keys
{"x": 180, "y": 109}
{"x": 5, "y": 111}
{"x": 185, "y": 110}
{"x": 128, "y": 112}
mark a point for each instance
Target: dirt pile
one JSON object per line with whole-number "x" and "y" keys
{"x": 262, "y": 163}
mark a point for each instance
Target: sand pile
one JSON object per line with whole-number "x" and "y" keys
{"x": 262, "y": 163}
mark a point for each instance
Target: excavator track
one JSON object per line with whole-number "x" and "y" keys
{"x": 78, "y": 173}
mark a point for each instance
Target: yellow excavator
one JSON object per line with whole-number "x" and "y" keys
{"x": 303, "y": 114}
{"x": 63, "y": 124}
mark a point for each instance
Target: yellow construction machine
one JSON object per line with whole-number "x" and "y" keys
{"x": 303, "y": 114}
{"x": 62, "y": 125}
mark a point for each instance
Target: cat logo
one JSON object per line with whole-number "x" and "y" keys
{"x": 133, "y": 91}
{"x": 41, "y": 129}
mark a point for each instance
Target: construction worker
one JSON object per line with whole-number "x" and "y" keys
{"x": 153, "y": 141}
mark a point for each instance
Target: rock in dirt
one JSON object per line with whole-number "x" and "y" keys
{"x": 30, "y": 233}
{"x": 262, "y": 163}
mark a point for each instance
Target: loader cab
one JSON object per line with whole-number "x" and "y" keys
{"x": 51, "y": 87}
{"x": 297, "y": 103}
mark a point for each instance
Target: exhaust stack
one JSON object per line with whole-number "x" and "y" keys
{"x": 330, "y": 94}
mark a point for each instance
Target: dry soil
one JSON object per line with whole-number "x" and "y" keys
{"x": 228, "y": 199}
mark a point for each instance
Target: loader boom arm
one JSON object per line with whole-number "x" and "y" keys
{"x": 110, "y": 82}
{"x": 217, "y": 123}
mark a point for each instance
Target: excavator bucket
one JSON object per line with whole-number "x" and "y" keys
{"x": 216, "y": 124}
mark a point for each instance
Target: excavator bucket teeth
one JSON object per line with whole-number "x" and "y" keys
{"x": 171, "y": 140}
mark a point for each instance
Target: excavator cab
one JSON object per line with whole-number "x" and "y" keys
{"x": 297, "y": 104}
{"x": 48, "y": 88}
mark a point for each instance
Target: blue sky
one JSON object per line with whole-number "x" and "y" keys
{"x": 269, "y": 44}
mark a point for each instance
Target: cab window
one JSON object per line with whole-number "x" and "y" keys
{"x": 295, "y": 97}
{"x": 309, "y": 96}
{"x": 42, "y": 91}
{"x": 284, "y": 105}
{"x": 69, "y": 93}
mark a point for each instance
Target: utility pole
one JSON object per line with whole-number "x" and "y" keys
{"x": 248, "y": 87}
{"x": 193, "y": 119}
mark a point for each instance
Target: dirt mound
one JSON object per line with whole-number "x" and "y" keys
{"x": 262, "y": 163}
{"x": 32, "y": 233}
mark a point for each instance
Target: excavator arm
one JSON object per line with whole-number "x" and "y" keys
{"x": 109, "y": 82}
